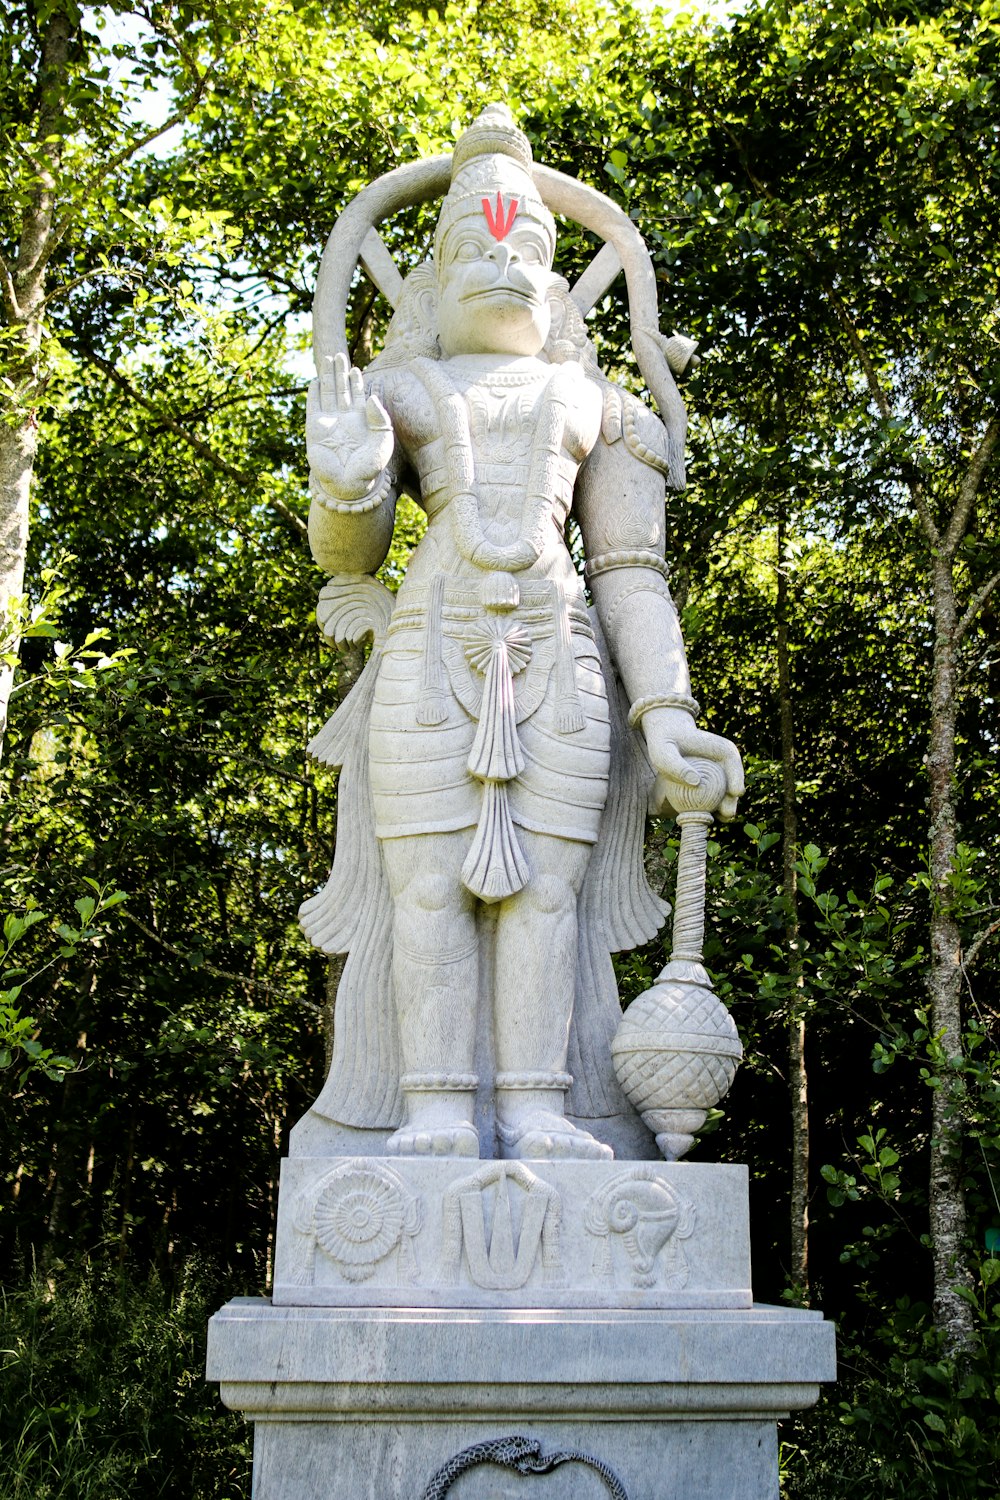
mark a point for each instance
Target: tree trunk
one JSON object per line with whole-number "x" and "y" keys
{"x": 953, "y": 1316}
{"x": 18, "y": 446}
{"x": 798, "y": 1084}
{"x": 24, "y": 294}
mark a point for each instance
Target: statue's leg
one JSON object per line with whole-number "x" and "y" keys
{"x": 533, "y": 1003}
{"x": 435, "y": 978}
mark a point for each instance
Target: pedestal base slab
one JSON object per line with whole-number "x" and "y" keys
{"x": 374, "y": 1403}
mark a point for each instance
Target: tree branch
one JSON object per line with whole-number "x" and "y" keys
{"x": 245, "y": 980}
{"x": 245, "y": 481}
{"x": 34, "y": 162}
{"x": 978, "y": 943}
{"x": 209, "y": 406}
{"x": 10, "y": 291}
{"x": 975, "y": 604}
{"x": 923, "y": 510}
{"x": 271, "y": 766}
{"x": 61, "y": 225}
{"x": 970, "y": 484}
{"x": 63, "y": 290}
{"x": 184, "y": 108}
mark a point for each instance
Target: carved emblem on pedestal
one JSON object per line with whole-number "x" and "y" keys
{"x": 503, "y": 1232}
{"x": 359, "y": 1216}
{"x": 648, "y": 1218}
{"x": 522, "y": 1454}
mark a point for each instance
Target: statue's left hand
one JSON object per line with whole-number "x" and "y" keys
{"x": 671, "y": 736}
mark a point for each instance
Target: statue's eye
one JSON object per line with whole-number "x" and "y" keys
{"x": 532, "y": 254}
{"x": 468, "y": 250}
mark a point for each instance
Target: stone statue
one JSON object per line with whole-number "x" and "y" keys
{"x": 499, "y": 751}
{"x": 498, "y": 755}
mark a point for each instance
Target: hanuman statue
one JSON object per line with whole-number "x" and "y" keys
{"x": 506, "y": 737}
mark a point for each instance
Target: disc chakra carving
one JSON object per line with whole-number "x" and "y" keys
{"x": 358, "y": 1221}
{"x": 359, "y": 1217}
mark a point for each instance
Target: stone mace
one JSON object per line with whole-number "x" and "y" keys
{"x": 677, "y": 1049}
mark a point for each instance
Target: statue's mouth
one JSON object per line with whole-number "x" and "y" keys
{"x": 505, "y": 290}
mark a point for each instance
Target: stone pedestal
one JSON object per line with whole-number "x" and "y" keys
{"x": 597, "y": 1309}
{"x": 373, "y": 1403}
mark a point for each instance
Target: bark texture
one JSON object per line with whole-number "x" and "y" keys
{"x": 953, "y": 1315}
{"x": 798, "y": 1081}
{"x": 23, "y": 307}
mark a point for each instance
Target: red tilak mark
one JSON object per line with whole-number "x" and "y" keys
{"x": 499, "y": 225}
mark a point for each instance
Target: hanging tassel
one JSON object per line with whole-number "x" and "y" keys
{"x": 433, "y": 706}
{"x": 499, "y": 593}
{"x": 602, "y": 1266}
{"x": 569, "y": 711}
{"x": 496, "y": 753}
{"x": 495, "y": 867}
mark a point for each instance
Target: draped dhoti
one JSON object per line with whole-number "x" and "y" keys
{"x": 478, "y": 705}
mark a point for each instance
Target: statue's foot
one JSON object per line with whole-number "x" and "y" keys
{"x": 542, "y": 1135}
{"x": 434, "y": 1140}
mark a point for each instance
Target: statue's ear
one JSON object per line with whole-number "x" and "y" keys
{"x": 558, "y": 295}
{"x": 568, "y": 339}
{"x": 422, "y": 283}
{"x": 413, "y": 330}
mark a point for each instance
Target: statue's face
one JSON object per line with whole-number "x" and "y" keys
{"x": 492, "y": 293}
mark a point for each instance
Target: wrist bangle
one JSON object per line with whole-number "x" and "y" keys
{"x": 662, "y": 700}
{"x": 370, "y": 501}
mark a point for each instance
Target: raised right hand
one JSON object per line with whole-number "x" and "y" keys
{"x": 349, "y": 438}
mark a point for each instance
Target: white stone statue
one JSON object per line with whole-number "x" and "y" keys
{"x": 501, "y": 747}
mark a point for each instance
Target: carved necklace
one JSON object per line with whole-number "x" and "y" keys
{"x": 543, "y": 468}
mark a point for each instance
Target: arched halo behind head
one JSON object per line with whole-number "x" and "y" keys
{"x": 417, "y": 181}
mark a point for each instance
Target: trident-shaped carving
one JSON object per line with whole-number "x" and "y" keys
{"x": 500, "y": 221}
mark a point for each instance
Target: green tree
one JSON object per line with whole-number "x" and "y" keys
{"x": 833, "y": 236}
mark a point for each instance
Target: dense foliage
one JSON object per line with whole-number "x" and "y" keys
{"x": 817, "y": 183}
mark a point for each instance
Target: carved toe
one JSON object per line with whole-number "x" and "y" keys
{"x": 543, "y": 1136}
{"x": 438, "y": 1140}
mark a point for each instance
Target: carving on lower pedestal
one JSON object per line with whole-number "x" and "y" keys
{"x": 522, "y": 1454}
{"x": 647, "y": 1218}
{"x": 358, "y": 1217}
{"x": 502, "y": 1239}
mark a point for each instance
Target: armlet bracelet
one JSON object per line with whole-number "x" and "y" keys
{"x": 661, "y": 700}
{"x": 631, "y": 558}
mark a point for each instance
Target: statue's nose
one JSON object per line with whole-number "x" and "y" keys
{"x": 503, "y": 256}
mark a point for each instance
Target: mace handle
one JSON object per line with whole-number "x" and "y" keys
{"x": 694, "y": 806}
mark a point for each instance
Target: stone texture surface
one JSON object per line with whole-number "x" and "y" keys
{"x": 371, "y": 1402}
{"x": 558, "y": 1234}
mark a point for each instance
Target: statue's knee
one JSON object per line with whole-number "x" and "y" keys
{"x": 430, "y": 893}
{"x": 551, "y": 894}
